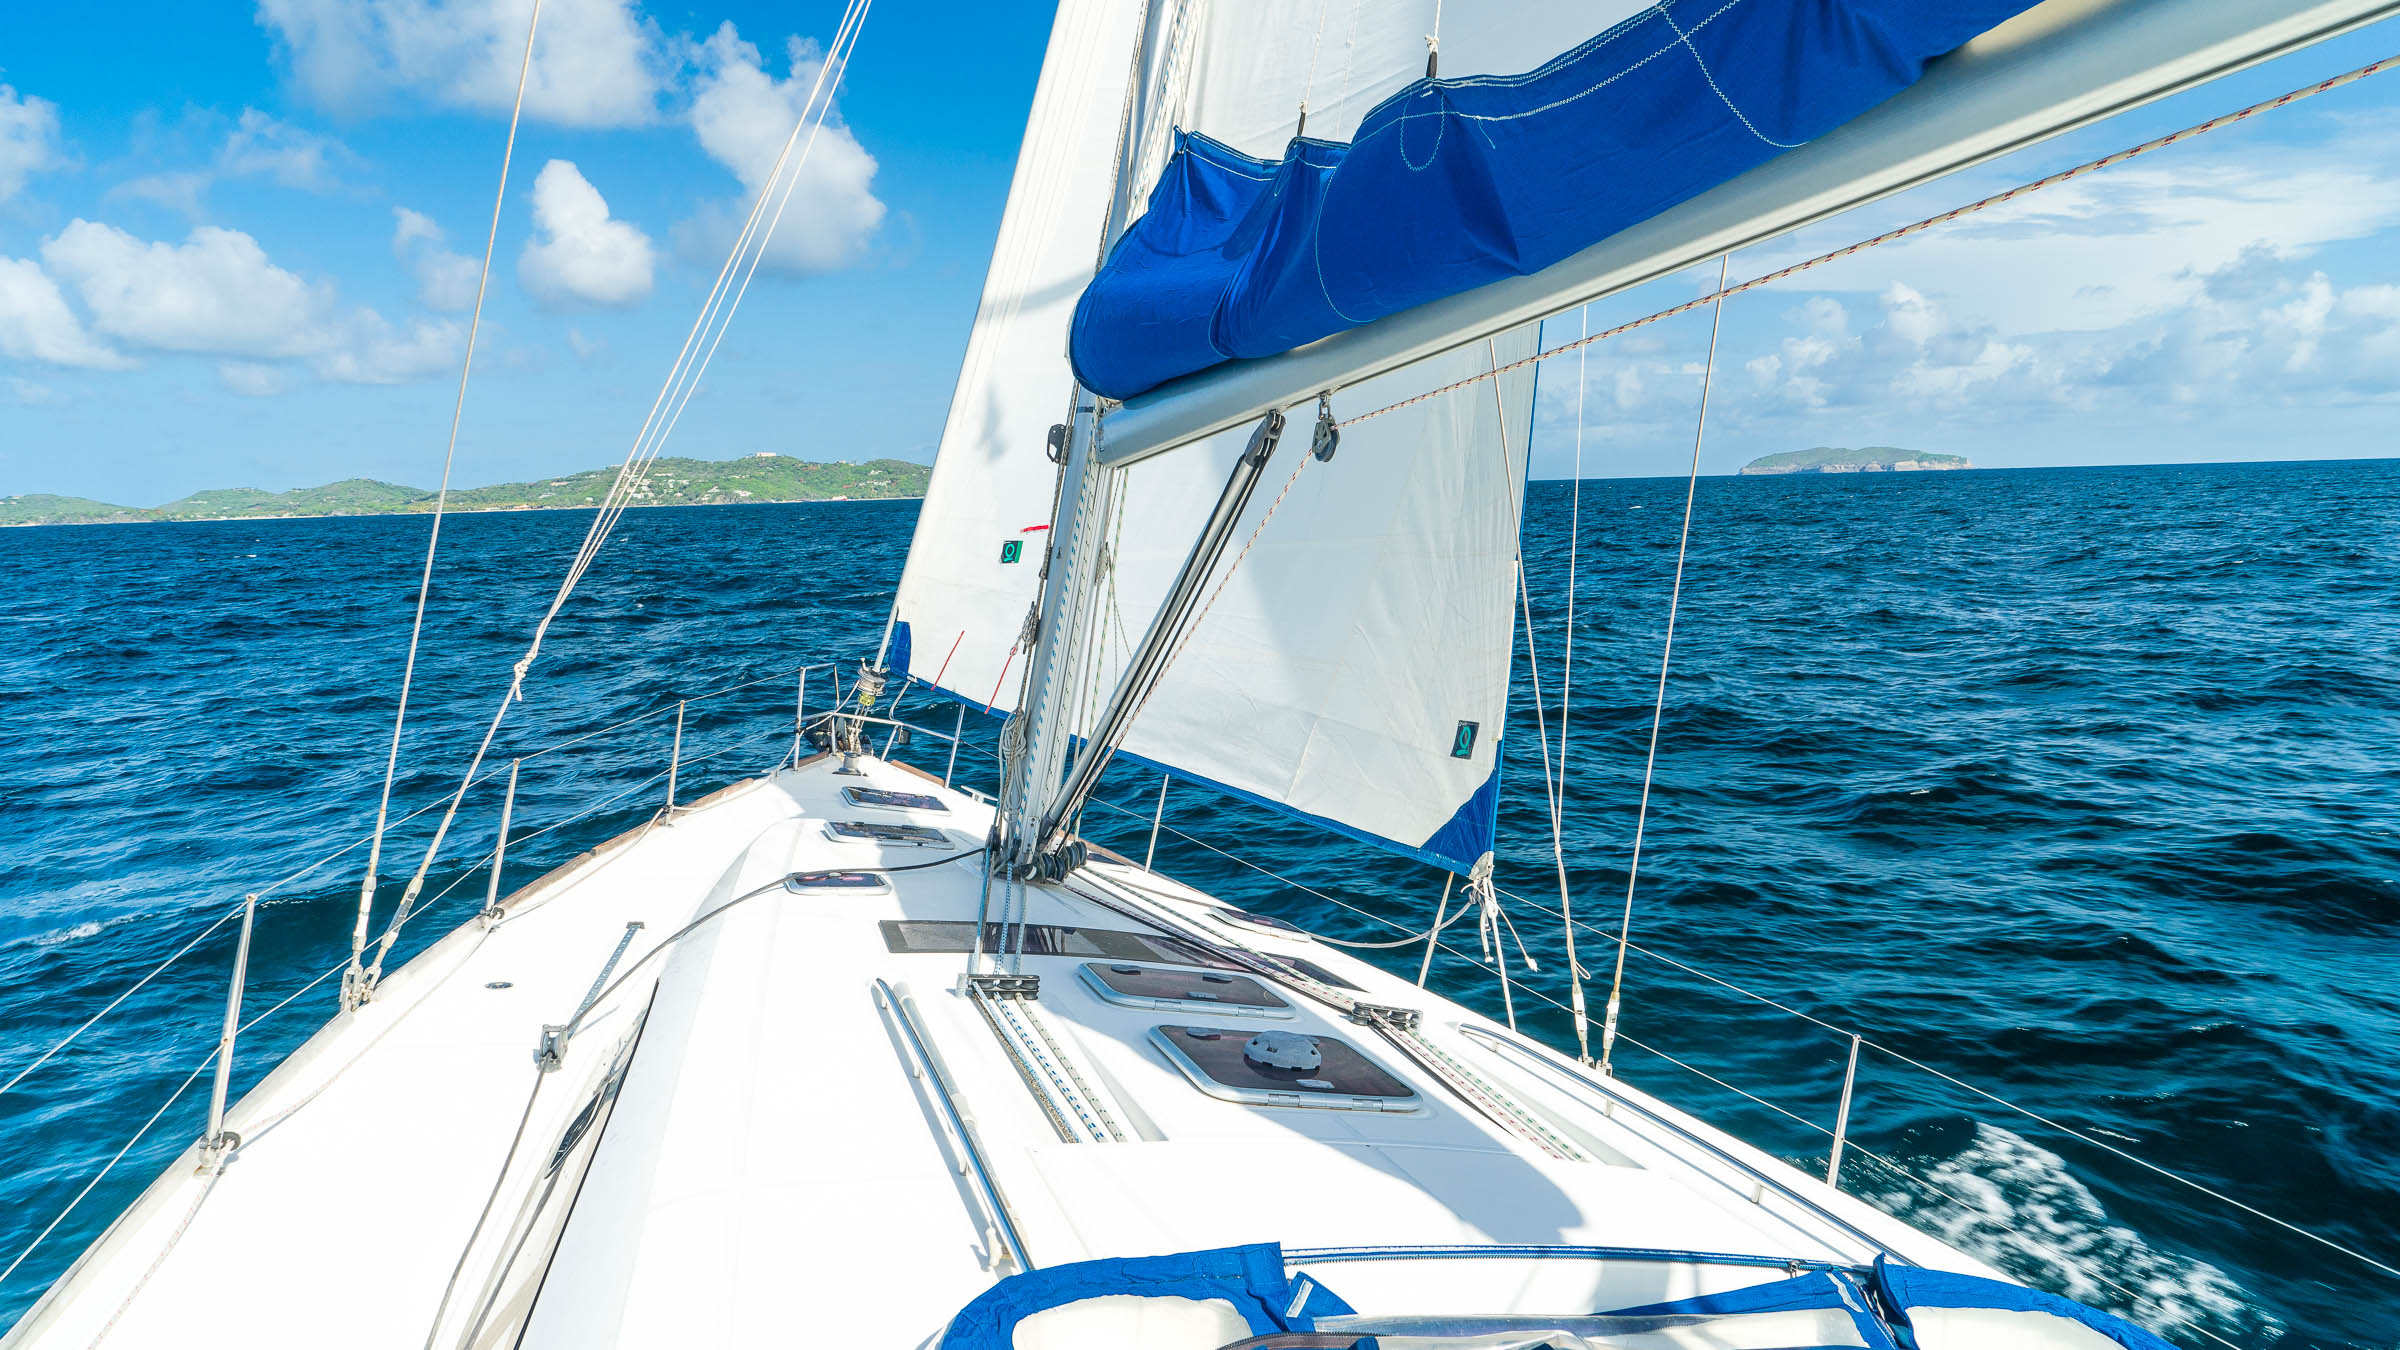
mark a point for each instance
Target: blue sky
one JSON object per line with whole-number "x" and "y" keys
{"x": 235, "y": 243}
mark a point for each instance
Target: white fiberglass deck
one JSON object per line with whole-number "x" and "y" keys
{"x": 776, "y": 1166}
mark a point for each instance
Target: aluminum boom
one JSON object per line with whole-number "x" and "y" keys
{"x": 2054, "y": 68}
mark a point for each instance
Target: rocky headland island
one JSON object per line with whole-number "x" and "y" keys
{"x": 1871, "y": 459}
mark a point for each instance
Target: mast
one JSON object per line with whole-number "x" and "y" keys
{"x": 1034, "y": 746}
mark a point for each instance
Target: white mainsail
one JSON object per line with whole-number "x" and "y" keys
{"x": 1354, "y": 669}
{"x": 974, "y": 564}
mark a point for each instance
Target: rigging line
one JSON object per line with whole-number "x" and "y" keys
{"x": 277, "y": 885}
{"x": 135, "y": 988}
{"x": 441, "y": 500}
{"x": 1309, "y": 85}
{"x": 1927, "y": 1068}
{"x": 827, "y": 74}
{"x": 2105, "y": 161}
{"x": 1407, "y": 940}
{"x": 1425, "y": 967}
{"x": 1566, "y": 695}
{"x": 629, "y": 476}
{"x": 110, "y": 1165}
{"x": 716, "y": 314}
{"x": 1666, "y": 653}
{"x": 1192, "y": 627}
{"x": 1552, "y": 785}
{"x": 2138, "y": 1161}
{"x": 2070, "y": 1131}
{"x": 2134, "y": 1300}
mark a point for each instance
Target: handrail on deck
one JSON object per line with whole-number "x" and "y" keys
{"x": 1004, "y": 1225}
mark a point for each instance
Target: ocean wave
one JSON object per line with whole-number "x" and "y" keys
{"x": 2013, "y": 1203}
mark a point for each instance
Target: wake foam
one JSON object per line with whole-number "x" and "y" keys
{"x": 88, "y": 928}
{"x": 2015, "y": 1204}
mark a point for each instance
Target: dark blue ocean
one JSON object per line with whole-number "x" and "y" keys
{"x": 2079, "y": 785}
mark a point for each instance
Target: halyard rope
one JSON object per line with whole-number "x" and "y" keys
{"x": 1666, "y": 654}
{"x": 441, "y": 500}
{"x": 2105, "y": 161}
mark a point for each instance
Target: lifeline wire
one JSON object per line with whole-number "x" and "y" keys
{"x": 441, "y": 499}
{"x": 1666, "y": 653}
{"x": 1868, "y": 1042}
{"x": 2105, "y": 161}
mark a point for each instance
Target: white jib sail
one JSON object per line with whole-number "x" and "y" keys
{"x": 973, "y": 566}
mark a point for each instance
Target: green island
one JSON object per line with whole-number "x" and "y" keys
{"x": 763, "y": 477}
{"x": 1870, "y": 459}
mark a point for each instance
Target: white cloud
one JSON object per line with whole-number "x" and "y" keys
{"x": 258, "y": 146}
{"x": 28, "y": 139}
{"x": 445, "y": 280}
{"x": 595, "y": 63}
{"x": 215, "y": 294}
{"x": 180, "y": 191}
{"x": 578, "y": 253}
{"x": 2107, "y": 249}
{"x": 36, "y": 325}
{"x": 218, "y": 294}
{"x": 251, "y": 380}
{"x": 369, "y": 350}
{"x": 743, "y": 116}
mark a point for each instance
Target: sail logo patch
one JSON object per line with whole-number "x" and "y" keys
{"x": 1012, "y": 550}
{"x": 1462, "y": 744}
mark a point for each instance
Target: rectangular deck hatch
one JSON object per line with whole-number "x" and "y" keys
{"x": 888, "y": 800}
{"x": 855, "y": 883}
{"x": 1226, "y": 1062}
{"x": 880, "y": 832}
{"x": 919, "y": 937}
{"x": 1181, "y": 989}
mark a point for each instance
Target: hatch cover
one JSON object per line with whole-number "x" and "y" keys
{"x": 1219, "y": 1061}
{"x": 1181, "y": 989}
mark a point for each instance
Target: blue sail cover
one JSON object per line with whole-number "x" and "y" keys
{"x": 1453, "y": 184}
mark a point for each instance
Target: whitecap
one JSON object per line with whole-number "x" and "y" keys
{"x": 2015, "y": 1204}
{"x": 87, "y": 928}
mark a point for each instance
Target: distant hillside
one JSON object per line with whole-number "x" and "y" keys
{"x": 1870, "y": 459}
{"x": 671, "y": 482}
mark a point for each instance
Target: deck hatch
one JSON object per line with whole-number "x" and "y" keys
{"x": 1218, "y": 1062}
{"x": 880, "y": 832}
{"x": 864, "y": 883}
{"x": 888, "y": 800}
{"x": 923, "y": 937}
{"x": 1181, "y": 989}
